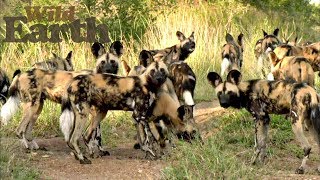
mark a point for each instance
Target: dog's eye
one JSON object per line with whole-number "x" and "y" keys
{"x": 102, "y": 62}
{"x": 162, "y": 70}
{"x": 112, "y": 61}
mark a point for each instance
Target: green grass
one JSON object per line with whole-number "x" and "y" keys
{"x": 13, "y": 167}
{"x": 227, "y": 153}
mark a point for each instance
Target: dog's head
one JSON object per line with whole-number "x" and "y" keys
{"x": 155, "y": 75}
{"x": 145, "y": 58}
{"x": 312, "y": 53}
{"x": 227, "y": 91}
{"x": 270, "y": 41}
{"x": 107, "y": 62}
{"x": 187, "y": 44}
{"x": 232, "y": 53}
{"x": 189, "y": 130}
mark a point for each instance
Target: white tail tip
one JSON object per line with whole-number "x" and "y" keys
{"x": 66, "y": 123}
{"x": 9, "y": 109}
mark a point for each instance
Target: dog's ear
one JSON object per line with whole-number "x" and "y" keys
{"x": 145, "y": 58}
{"x": 116, "y": 48}
{"x": 181, "y": 112}
{"x": 240, "y": 39}
{"x": 126, "y": 68}
{"x": 214, "y": 79}
{"x": 264, "y": 33}
{"x": 276, "y": 32}
{"x": 191, "y": 37}
{"x": 273, "y": 57}
{"x": 229, "y": 38}
{"x": 54, "y": 55}
{"x": 234, "y": 76}
{"x": 180, "y": 36}
{"x": 97, "y": 49}
{"x": 69, "y": 56}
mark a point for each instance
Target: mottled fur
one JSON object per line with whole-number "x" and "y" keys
{"x": 56, "y": 63}
{"x": 232, "y": 54}
{"x": 296, "y": 68}
{"x": 4, "y": 86}
{"x": 311, "y": 52}
{"x": 262, "y": 97}
{"x": 33, "y": 87}
{"x": 178, "y": 52}
{"x": 263, "y": 46}
{"x": 109, "y": 92}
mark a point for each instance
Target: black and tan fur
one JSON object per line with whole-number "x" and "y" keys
{"x": 295, "y": 68}
{"x": 4, "y": 86}
{"x": 263, "y": 46}
{"x": 232, "y": 54}
{"x": 310, "y": 52}
{"x": 109, "y": 92}
{"x": 56, "y": 63}
{"x": 166, "y": 108}
{"x": 178, "y": 52}
{"x": 263, "y": 97}
{"x": 33, "y": 87}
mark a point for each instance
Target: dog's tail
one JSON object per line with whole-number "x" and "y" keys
{"x": 12, "y": 104}
{"x": 126, "y": 67}
{"x": 66, "y": 119}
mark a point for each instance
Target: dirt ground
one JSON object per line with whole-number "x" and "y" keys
{"x": 125, "y": 162}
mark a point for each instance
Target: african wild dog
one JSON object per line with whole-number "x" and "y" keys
{"x": 232, "y": 54}
{"x": 33, "y": 87}
{"x": 263, "y": 97}
{"x": 4, "y": 86}
{"x": 310, "y": 52}
{"x": 56, "y": 63}
{"x": 167, "y": 100}
{"x": 296, "y": 68}
{"x": 178, "y": 52}
{"x": 110, "y": 92}
{"x": 263, "y": 46}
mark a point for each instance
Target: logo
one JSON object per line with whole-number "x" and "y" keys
{"x": 80, "y": 32}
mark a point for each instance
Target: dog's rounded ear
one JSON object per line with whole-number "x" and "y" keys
{"x": 192, "y": 36}
{"x": 181, "y": 112}
{"x": 68, "y": 58}
{"x": 214, "y": 78}
{"x": 234, "y": 77}
{"x": 54, "y": 55}
{"x": 145, "y": 58}
{"x": 116, "y": 48}
{"x": 97, "y": 49}
{"x": 273, "y": 57}
{"x": 264, "y": 33}
{"x": 240, "y": 39}
{"x": 276, "y": 32}
{"x": 229, "y": 38}
{"x": 180, "y": 36}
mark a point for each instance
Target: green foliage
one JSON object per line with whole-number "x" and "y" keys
{"x": 13, "y": 168}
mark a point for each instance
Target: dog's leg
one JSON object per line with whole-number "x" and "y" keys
{"x": 297, "y": 126}
{"x": 93, "y": 136}
{"x": 27, "y": 115}
{"x": 37, "y": 110}
{"x": 261, "y": 134}
{"x": 81, "y": 111}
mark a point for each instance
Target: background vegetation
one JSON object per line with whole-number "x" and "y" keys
{"x": 147, "y": 24}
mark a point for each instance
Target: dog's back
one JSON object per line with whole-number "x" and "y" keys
{"x": 56, "y": 63}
